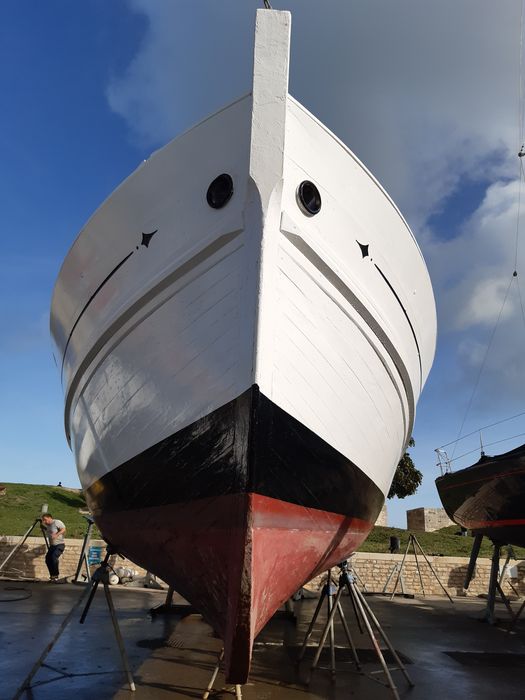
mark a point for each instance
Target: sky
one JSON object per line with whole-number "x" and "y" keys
{"x": 427, "y": 94}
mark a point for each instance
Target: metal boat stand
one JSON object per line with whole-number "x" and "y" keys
{"x": 83, "y": 559}
{"x": 364, "y": 616}
{"x": 206, "y": 695}
{"x": 412, "y": 540}
{"x": 168, "y": 607}
{"x": 396, "y": 569}
{"x": 327, "y": 593}
{"x": 515, "y": 618}
{"x": 495, "y": 579}
{"x": 510, "y": 555}
{"x": 37, "y": 520}
{"x": 101, "y": 575}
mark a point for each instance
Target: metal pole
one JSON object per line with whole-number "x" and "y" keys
{"x": 17, "y": 546}
{"x": 392, "y": 572}
{"x": 354, "y": 573}
{"x": 357, "y": 616}
{"x": 510, "y": 555}
{"x": 169, "y": 597}
{"x": 94, "y": 587}
{"x": 325, "y": 632}
{"x": 332, "y": 633}
{"x": 213, "y": 676}
{"x": 491, "y": 600}
{"x": 505, "y": 599}
{"x": 432, "y": 569}
{"x": 312, "y": 623}
{"x": 400, "y": 570}
{"x": 412, "y": 537}
{"x": 41, "y": 658}
{"x": 476, "y": 545}
{"x": 516, "y": 618}
{"x": 385, "y": 638}
{"x": 118, "y": 635}
{"x": 352, "y": 592}
{"x": 83, "y": 554}
{"x": 349, "y": 636}
{"x": 44, "y": 535}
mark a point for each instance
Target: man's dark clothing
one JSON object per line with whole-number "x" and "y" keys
{"x": 53, "y": 553}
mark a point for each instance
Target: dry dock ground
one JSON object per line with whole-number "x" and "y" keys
{"x": 449, "y": 653}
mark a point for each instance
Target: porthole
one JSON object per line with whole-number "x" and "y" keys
{"x": 309, "y": 198}
{"x": 220, "y": 191}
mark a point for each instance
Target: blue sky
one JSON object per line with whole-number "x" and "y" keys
{"x": 425, "y": 93}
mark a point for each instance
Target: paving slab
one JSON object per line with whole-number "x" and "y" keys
{"x": 448, "y": 652}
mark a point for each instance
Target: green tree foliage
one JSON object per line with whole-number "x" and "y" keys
{"x": 407, "y": 478}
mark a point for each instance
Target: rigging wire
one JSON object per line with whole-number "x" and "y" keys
{"x": 521, "y": 138}
{"x": 521, "y": 178}
{"x": 469, "y": 405}
{"x": 520, "y": 183}
{"x": 484, "y": 427}
{"x": 487, "y": 444}
{"x": 521, "y": 300}
{"x": 521, "y": 109}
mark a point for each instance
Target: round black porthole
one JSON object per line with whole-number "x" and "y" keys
{"x": 220, "y": 191}
{"x": 309, "y": 198}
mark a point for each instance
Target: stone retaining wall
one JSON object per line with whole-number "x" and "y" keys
{"x": 29, "y": 561}
{"x": 373, "y": 569}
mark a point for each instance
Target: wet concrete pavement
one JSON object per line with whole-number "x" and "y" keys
{"x": 174, "y": 658}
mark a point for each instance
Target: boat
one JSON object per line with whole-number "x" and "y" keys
{"x": 243, "y": 328}
{"x": 488, "y": 496}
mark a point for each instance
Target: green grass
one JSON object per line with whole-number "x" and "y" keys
{"x": 442, "y": 542}
{"x": 23, "y": 502}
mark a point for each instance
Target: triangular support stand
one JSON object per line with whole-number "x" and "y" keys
{"x": 37, "y": 521}
{"x": 101, "y": 575}
{"x": 364, "y": 617}
{"x": 209, "y": 689}
{"x": 398, "y": 568}
{"x": 83, "y": 560}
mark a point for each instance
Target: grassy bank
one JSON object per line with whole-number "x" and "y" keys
{"x": 22, "y": 504}
{"x": 443, "y": 542}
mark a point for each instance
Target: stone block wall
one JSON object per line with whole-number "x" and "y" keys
{"x": 427, "y": 519}
{"x": 373, "y": 570}
{"x": 29, "y": 561}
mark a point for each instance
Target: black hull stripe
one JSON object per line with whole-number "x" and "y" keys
{"x": 250, "y": 445}
{"x": 97, "y": 290}
{"x": 408, "y": 321}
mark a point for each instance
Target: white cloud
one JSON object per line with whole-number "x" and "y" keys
{"x": 422, "y": 91}
{"x": 471, "y": 272}
{"x": 484, "y": 303}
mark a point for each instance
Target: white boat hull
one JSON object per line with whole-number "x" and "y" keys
{"x": 253, "y": 352}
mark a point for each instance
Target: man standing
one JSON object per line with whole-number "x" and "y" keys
{"x": 55, "y": 534}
